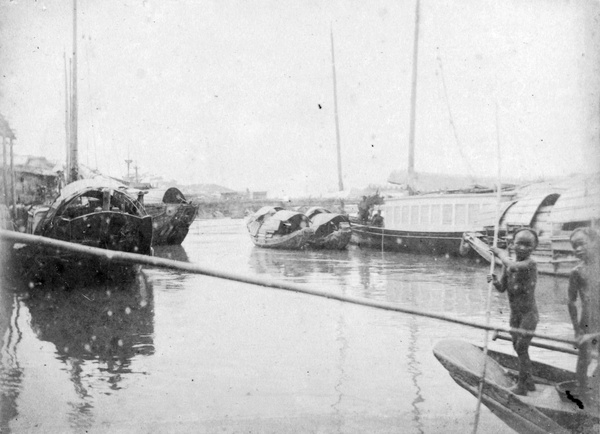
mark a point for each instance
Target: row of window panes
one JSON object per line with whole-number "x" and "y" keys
{"x": 436, "y": 214}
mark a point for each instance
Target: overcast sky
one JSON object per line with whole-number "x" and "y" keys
{"x": 240, "y": 93}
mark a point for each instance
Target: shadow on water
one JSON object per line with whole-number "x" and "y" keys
{"x": 176, "y": 253}
{"x": 97, "y": 331}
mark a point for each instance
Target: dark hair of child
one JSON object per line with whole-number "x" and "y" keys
{"x": 532, "y": 232}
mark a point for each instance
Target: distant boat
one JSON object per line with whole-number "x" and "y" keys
{"x": 331, "y": 230}
{"x": 171, "y": 214}
{"x": 552, "y": 408}
{"x": 276, "y": 228}
{"x": 553, "y": 213}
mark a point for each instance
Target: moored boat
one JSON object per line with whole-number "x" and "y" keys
{"x": 552, "y": 408}
{"x": 432, "y": 216}
{"x": 171, "y": 214}
{"x": 276, "y": 228}
{"x": 426, "y": 223}
{"x": 90, "y": 212}
{"x": 553, "y": 213}
{"x": 331, "y": 230}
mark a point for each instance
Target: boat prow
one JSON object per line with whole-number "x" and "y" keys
{"x": 172, "y": 214}
{"x": 542, "y": 411}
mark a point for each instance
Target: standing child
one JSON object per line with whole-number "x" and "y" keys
{"x": 584, "y": 283}
{"x": 518, "y": 279}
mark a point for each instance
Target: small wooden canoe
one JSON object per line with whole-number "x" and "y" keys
{"x": 550, "y": 409}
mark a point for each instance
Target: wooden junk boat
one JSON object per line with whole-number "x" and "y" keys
{"x": 91, "y": 212}
{"x": 552, "y": 408}
{"x": 171, "y": 214}
{"x": 331, "y": 230}
{"x": 276, "y": 228}
{"x": 553, "y": 212}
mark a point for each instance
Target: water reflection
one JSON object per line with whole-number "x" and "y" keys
{"x": 242, "y": 356}
{"x": 11, "y": 373}
{"x": 114, "y": 323}
{"x": 301, "y": 266}
{"x": 97, "y": 332}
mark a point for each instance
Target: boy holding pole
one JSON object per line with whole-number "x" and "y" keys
{"x": 518, "y": 279}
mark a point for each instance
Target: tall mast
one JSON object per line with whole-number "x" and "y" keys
{"x": 73, "y": 155}
{"x": 413, "y": 102}
{"x": 67, "y": 113}
{"x": 337, "y": 126}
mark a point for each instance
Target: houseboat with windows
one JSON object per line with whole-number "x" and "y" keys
{"x": 553, "y": 211}
{"x": 428, "y": 223}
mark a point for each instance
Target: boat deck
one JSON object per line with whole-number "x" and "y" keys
{"x": 546, "y": 397}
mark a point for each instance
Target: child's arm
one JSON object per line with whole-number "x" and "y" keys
{"x": 574, "y": 286}
{"x": 509, "y": 263}
{"x": 499, "y": 284}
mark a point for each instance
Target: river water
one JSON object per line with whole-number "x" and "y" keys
{"x": 176, "y": 352}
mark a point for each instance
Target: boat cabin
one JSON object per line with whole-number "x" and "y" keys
{"x": 438, "y": 212}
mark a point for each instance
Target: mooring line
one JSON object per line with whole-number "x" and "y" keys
{"x": 134, "y": 258}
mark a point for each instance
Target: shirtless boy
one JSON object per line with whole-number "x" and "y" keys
{"x": 518, "y": 279}
{"x": 584, "y": 283}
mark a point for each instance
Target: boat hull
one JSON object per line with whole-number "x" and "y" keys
{"x": 542, "y": 411}
{"x": 109, "y": 230}
{"x": 60, "y": 268}
{"x": 437, "y": 243}
{"x": 337, "y": 240}
{"x": 294, "y": 241}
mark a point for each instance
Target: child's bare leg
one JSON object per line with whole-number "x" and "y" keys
{"x": 521, "y": 345}
{"x": 583, "y": 361}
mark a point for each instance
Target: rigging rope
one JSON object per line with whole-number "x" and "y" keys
{"x": 452, "y": 124}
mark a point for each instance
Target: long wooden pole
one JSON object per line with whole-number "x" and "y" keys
{"x": 13, "y": 192}
{"x": 73, "y": 150}
{"x": 337, "y": 124}
{"x": 67, "y": 115}
{"x": 491, "y": 284}
{"x": 413, "y": 101}
{"x": 134, "y": 258}
{"x": 4, "y": 181}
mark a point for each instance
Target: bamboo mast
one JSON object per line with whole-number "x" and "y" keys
{"x": 413, "y": 101}
{"x": 337, "y": 125}
{"x": 67, "y": 114}
{"x": 73, "y": 153}
{"x": 13, "y": 192}
{"x": 4, "y": 169}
